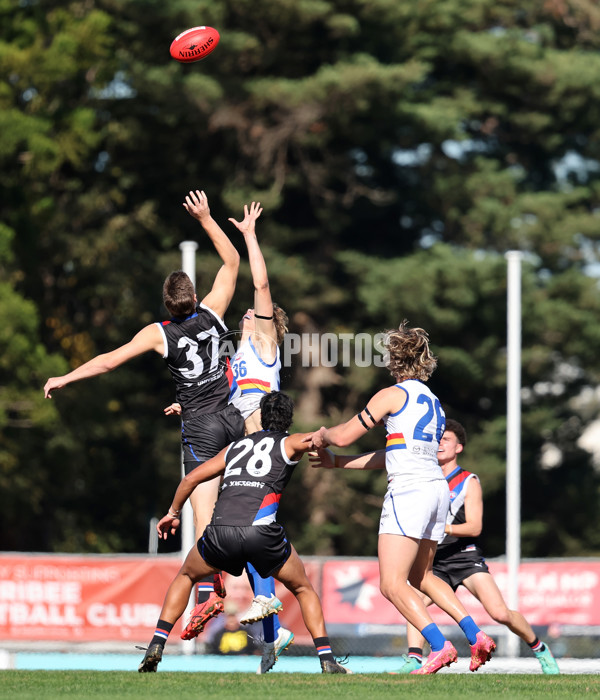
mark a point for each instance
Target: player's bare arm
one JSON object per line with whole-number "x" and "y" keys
{"x": 219, "y": 297}
{"x": 204, "y": 472}
{"x": 149, "y": 338}
{"x": 263, "y": 304}
{"x": 326, "y": 459}
{"x": 473, "y": 512}
{"x": 296, "y": 445}
{"x": 384, "y": 402}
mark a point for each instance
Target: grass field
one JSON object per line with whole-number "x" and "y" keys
{"x": 120, "y": 684}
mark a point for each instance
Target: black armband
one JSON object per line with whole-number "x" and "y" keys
{"x": 370, "y": 416}
{"x": 362, "y": 422}
{"x": 264, "y": 318}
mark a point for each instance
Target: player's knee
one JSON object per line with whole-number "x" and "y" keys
{"x": 417, "y": 581}
{"x": 387, "y": 589}
{"x": 187, "y": 573}
{"x": 299, "y": 586}
{"x": 302, "y": 590}
{"x": 500, "y": 614}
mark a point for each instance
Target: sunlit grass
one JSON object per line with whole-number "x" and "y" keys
{"x": 305, "y": 686}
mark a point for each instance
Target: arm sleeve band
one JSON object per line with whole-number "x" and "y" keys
{"x": 370, "y": 416}
{"x": 364, "y": 425}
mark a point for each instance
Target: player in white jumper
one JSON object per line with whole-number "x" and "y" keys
{"x": 416, "y": 503}
{"x": 255, "y": 368}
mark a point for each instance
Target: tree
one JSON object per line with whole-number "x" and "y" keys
{"x": 399, "y": 149}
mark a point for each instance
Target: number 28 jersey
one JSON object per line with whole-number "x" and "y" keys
{"x": 256, "y": 473}
{"x": 413, "y": 437}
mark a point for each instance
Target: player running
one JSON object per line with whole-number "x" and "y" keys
{"x": 459, "y": 559}
{"x": 417, "y": 498}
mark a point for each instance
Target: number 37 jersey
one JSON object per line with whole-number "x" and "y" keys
{"x": 192, "y": 356}
{"x": 413, "y": 436}
{"x": 256, "y": 473}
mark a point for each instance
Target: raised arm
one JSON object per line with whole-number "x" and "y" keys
{"x": 221, "y": 294}
{"x": 149, "y": 338}
{"x": 263, "y": 304}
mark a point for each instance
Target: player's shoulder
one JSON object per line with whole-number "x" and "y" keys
{"x": 468, "y": 478}
{"x": 206, "y": 312}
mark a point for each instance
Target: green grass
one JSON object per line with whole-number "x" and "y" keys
{"x": 302, "y": 686}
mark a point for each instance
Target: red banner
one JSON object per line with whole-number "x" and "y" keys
{"x": 565, "y": 592}
{"x": 94, "y": 598}
{"x": 82, "y": 598}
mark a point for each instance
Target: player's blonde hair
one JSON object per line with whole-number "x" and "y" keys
{"x": 409, "y": 356}
{"x": 280, "y": 321}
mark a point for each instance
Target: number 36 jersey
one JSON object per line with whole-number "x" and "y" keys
{"x": 192, "y": 356}
{"x": 252, "y": 378}
{"x": 256, "y": 473}
{"x": 413, "y": 437}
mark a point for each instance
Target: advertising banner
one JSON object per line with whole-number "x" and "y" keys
{"x": 550, "y": 592}
{"x": 118, "y": 598}
{"x": 82, "y": 598}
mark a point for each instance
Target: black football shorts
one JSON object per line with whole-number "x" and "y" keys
{"x": 229, "y": 547}
{"x": 206, "y": 435}
{"x": 455, "y": 568}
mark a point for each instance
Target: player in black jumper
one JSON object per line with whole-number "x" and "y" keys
{"x": 256, "y": 470}
{"x": 189, "y": 344}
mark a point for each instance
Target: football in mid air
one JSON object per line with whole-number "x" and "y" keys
{"x": 194, "y": 44}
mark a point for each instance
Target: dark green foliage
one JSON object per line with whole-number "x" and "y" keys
{"x": 399, "y": 149}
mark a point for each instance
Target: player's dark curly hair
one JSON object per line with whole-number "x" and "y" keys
{"x": 455, "y": 427}
{"x": 178, "y": 294}
{"x": 276, "y": 411}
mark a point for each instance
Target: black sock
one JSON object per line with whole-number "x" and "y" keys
{"x": 204, "y": 588}
{"x": 537, "y": 645}
{"x": 323, "y": 648}
{"x": 415, "y": 653}
{"x": 161, "y": 634}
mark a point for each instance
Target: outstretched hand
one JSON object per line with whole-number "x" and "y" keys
{"x": 52, "y": 384}
{"x": 166, "y": 523}
{"x": 196, "y": 204}
{"x": 246, "y": 226}
{"x": 316, "y": 439}
{"x": 322, "y": 459}
{"x": 173, "y": 410}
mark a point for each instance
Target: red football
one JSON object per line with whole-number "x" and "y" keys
{"x": 194, "y": 44}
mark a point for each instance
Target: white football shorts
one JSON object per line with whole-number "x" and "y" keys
{"x": 418, "y": 511}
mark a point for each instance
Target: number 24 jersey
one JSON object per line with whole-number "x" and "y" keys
{"x": 256, "y": 473}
